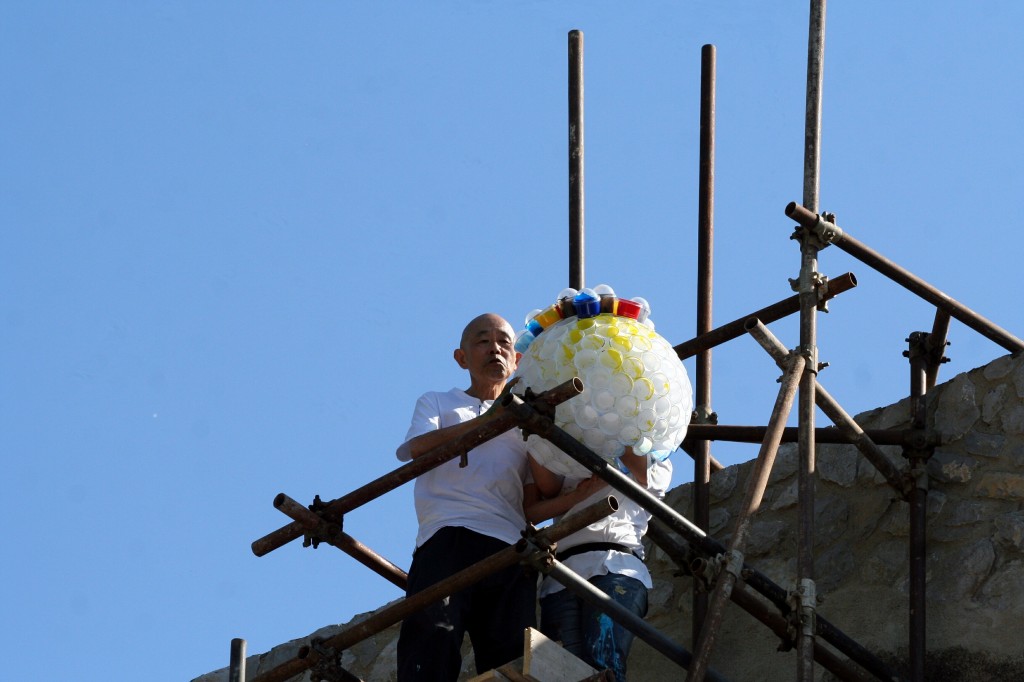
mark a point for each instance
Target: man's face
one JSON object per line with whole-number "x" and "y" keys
{"x": 488, "y": 349}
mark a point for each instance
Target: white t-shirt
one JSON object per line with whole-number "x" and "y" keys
{"x": 625, "y": 527}
{"x": 487, "y": 495}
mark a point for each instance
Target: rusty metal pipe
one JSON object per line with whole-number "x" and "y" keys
{"x": 756, "y": 485}
{"x": 333, "y": 535}
{"x": 705, "y": 297}
{"x": 806, "y": 478}
{"x": 236, "y": 671}
{"x": 834, "y": 235}
{"x": 808, "y": 335}
{"x": 936, "y": 346}
{"x": 812, "y": 113}
{"x": 918, "y": 590}
{"x": 576, "y": 167}
{"x": 769, "y": 314}
{"x": 493, "y": 423}
{"x": 831, "y": 407}
{"x": 385, "y": 618}
{"x": 919, "y": 361}
{"x": 926, "y": 354}
{"x": 918, "y": 356}
{"x": 755, "y": 434}
{"x": 807, "y": 449}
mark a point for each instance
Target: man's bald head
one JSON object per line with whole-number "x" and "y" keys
{"x": 482, "y": 325}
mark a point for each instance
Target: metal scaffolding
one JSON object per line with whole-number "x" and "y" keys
{"x": 720, "y": 573}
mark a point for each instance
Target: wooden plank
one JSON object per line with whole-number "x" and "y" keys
{"x": 546, "y": 660}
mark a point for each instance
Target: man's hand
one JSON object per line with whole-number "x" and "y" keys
{"x": 589, "y": 486}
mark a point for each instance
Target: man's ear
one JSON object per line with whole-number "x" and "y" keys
{"x": 519, "y": 356}
{"x": 460, "y": 357}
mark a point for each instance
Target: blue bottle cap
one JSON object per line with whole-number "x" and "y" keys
{"x": 587, "y": 304}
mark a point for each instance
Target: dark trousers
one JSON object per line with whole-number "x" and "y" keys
{"x": 588, "y": 633}
{"x": 495, "y": 611}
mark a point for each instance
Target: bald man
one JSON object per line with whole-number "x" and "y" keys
{"x": 465, "y": 515}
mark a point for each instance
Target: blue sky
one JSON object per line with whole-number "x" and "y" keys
{"x": 240, "y": 239}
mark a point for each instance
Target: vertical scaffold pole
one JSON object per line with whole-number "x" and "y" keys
{"x": 812, "y": 116}
{"x": 805, "y": 591}
{"x": 576, "y": 194}
{"x": 236, "y": 671}
{"x": 705, "y": 290}
{"x": 920, "y": 357}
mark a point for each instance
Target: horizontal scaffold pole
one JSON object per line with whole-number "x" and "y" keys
{"x": 735, "y": 433}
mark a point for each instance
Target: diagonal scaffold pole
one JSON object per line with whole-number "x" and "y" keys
{"x": 532, "y": 421}
{"x": 827, "y": 290}
{"x": 756, "y": 485}
{"x": 385, "y": 618}
{"x": 853, "y": 433}
{"x": 490, "y": 424}
{"x": 831, "y": 233}
{"x": 545, "y": 563}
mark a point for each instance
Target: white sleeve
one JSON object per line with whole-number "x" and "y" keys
{"x": 426, "y": 417}
{"x": 659, "y": 477}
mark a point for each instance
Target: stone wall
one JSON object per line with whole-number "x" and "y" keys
{"x": 975, "y": 561}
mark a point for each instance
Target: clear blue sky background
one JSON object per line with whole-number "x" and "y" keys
{"x": 239, "y": 240}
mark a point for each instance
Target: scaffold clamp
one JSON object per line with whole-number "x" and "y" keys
{"x": 538, "y": 550}
{"x": 318, "y": 508}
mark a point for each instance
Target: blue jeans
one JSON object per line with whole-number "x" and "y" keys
{"x": 588, "y": 633}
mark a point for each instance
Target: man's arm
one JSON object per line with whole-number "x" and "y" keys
{"x": 544, "y": 509}
{"x": 426, "y": 419}
{"x": 426, "y": 425}
{"x": 636, "y": 464}
{"x": 414, "y": 447}
{"x": 548, "y": 483}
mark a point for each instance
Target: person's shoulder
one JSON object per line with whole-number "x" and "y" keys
{"x": 456, "y": 395}
{"x": 449, "y": 399}
{"x": 441, "y": 395}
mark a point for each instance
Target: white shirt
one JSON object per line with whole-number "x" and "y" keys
{"x": 487, "y": 495}
{"x": 625, "y": 527}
